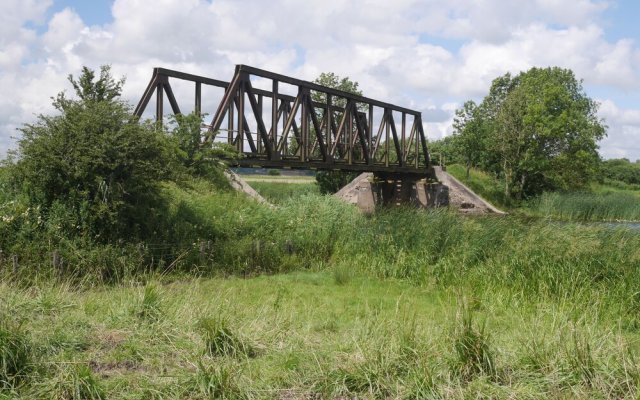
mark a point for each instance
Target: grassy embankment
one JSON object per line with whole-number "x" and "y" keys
{"x": 607, "y": 202}
{"x": 404, "y": 304}
{"x": 279, "y": 188}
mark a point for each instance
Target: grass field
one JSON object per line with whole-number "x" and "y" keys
{"x": 329, "y": 334}
{"x": 281, "y": 188}
{"x": 313, "y": 300}
{"x": 404, "y": 304}
{"x": 279, "y": 178}
{"x": 605, "y": 202}
{"x": 610, "y": 206}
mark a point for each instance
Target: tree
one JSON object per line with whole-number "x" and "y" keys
{"x": 470, "y": 134}
{"x": 541, "y": 131}
{"x": 93, "y": 165}
{"x": 198, "y": 157}
{"x": 329, "y": 79}
{"x": 332, "y": 181}
{"x": 621, "y": 169}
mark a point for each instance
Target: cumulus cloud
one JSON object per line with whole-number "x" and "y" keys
{"x": 624, "y": 131}
{"x": 393, "y": 49}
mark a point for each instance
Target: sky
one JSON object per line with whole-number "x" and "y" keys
{"x": 428, "y": 55}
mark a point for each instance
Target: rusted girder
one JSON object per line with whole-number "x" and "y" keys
{"x": 318, "y": 128}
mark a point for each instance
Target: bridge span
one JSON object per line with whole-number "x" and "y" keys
{"x": 300, "y": 124}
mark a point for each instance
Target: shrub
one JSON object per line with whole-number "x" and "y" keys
{"x": 330, "y": 182}
{"x": 94, "y": 161}
{"x": 197, "y": 159}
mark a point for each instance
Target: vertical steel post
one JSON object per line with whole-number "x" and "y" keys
{"x": 370, "y": 134}
{"x": 285, "y": 116}
{"x": 198, "y": 105}
{"x": 350, "y": 115}
{"x": 304, "y": 122}
{"x": 258, "y": 138}
{"x": 403, "y": 146}
{"x": 241, "y": 116}
{"x": 386, "y": 137}
{"x": 417, "y": 143}
{"x": 159, "y": 100}
{"x": 274, "y": 113}
{"x": 328, "y": 125}
{"x": 230, "y": 123}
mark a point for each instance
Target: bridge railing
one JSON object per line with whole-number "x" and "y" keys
{"x": 315, "y": 127}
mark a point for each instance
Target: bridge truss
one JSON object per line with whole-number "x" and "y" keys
{"x": 299, "y": 124}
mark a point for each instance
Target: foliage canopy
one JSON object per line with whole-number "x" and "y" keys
{"x": 537, "y": 130}
{"x": 332, "y": 181}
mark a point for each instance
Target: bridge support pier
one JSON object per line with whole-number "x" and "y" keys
{"x": 369, "y": 191}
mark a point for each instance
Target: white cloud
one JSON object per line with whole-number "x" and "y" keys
{"x": 383, "y": 45}
{"x": 626, "y": 125}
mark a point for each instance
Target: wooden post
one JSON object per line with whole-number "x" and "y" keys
{"x": 203, "y": 248}
{"x": 56, "y": 261}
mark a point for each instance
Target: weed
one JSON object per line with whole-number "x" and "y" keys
{"x": 215, "y": 383}
{"x": 150, "y": 305}
{"x": 581, "y": 360}
{"x": 613, "y": 206}
{"x": 16, "y": 354}
{"x": 72, "y": 382}
{"x": 280, "y": 192}
{"x": 421, "y": 385}
{"x": 220, "y": 340}
{"x": 473, "y": 353}
{"x": 342, "y": 275}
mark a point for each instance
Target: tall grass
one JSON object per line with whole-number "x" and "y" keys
{"x": 472, "y": 348}
{"x": 279, "y": 192}
{"x": 16, "y": 354}
{"x": 553, "y": 308}
{"x": 611, "y": 206}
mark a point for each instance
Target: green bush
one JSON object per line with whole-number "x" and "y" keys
{"x": 330, "y": 182}
{"x": 94, "y": 163}
{"x": 197, "y": 159}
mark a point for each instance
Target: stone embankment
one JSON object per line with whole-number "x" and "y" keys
{"x": 366, "y": 192}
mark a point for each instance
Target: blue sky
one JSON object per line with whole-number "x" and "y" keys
{"x": 92, "y": 12}
{"x": 426, "y": 54}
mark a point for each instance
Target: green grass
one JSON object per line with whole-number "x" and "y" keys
{"x": 279, "y": 192}
{"x": 607, "y": 202}
{"x": 312, "y": 299}
{"x": 607, "y": 206}
{"x": 279, "y": 178}
{"x": 302, "y": 334}
{"x": 482, "y": 183}
{"x": 608, "y": 186}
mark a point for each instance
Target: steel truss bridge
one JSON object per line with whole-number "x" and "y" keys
{"x": 300, "y": 124}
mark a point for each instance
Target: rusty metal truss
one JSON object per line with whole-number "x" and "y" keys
{"x": 315, "y": 127}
